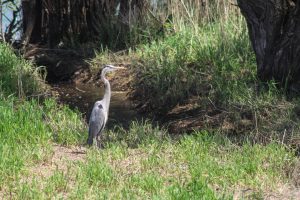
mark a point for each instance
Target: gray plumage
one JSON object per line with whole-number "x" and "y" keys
{"x": 100, "y": 110}
{"x": 97, "y": 122}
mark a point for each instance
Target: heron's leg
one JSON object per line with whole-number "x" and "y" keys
{"x": 98, "y": 143}
{"x": 95, "y": 141}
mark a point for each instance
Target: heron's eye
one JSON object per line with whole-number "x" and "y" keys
{"x": 100, "y": 106}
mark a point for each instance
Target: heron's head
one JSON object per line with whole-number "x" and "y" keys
{"x": 110, "y": 68}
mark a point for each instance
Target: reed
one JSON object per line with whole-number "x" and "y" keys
{"x": 146, "y": 20}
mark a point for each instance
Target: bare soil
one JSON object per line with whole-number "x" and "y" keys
{"x": 60, "y": 159}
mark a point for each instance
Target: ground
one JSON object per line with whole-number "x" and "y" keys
{"x": 65, "y": 159}
{"x": 59, "y": 160}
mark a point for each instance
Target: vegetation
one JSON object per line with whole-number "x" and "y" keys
{"x": 17, "y": 76}
{"x": 190, "y": 63}
{"x": 201, "y": 51}
{"x": 219, "y": 69}
{"x": 28, "y": 128}
{"x": 202, "y": 165}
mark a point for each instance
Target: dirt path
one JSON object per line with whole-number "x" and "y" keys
{"x": 60, "y": 159}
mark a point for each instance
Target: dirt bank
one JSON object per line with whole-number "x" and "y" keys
{"x": 70, "y": 74}
{"x": 77, "y": 83}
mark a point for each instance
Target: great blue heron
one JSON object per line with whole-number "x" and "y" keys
{"x": 100, "y": 110}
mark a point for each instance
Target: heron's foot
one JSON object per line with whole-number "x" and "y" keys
{"x": 90, "y": 142}
{"x": 98, "y": 143}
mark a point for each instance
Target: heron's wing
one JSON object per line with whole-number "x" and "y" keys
{"x": 96, "y": 123}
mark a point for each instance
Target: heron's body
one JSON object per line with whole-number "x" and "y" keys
{"x": 97, "y": 121}
{"x": 100, "y": 110}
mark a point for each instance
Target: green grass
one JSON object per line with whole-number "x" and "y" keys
{"x": 18, "y": 76}
{"x": 202, "y": 165}
{"x": 27, "y": 131}
{"x": 209, "y": 61}
{"x": 67, "y": 126}
{"x": 29, "y": 128}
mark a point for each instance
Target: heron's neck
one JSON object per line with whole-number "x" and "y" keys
{"x": 107, "y": 91}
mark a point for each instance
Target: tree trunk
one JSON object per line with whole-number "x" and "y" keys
{"x": 36, "y": 34}
{"x": 29, "y": 19}
{"x": 274, "y": 30}
{"x": 53, "y": 21}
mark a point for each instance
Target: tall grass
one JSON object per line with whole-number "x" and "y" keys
{"x": 205, "y": 54}
{"x": 210, "y": 61}
{"x": 199, "y": 12}
{"x": 147, "y": 20}
{"x": 17, "y": 76}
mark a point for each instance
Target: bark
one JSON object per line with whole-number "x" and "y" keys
{"x": 274, "y": 30}
{"x": 29, "y": 18}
